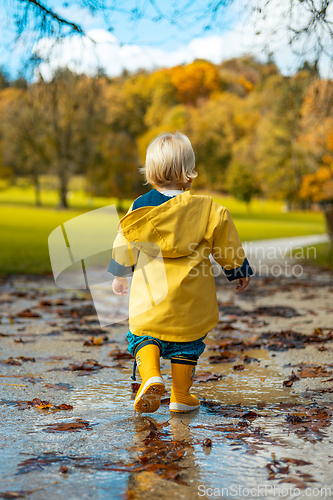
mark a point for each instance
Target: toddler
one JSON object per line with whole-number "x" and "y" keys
{"x": 173, "y": 305}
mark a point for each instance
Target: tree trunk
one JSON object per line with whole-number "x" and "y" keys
{"x": 63, "y": 191}
{"x": 37, "y": 190}
{"x": 328, "y": 211}
{"x": 35, "y": 177}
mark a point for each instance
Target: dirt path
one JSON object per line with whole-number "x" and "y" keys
{"x": 264, "y": 434}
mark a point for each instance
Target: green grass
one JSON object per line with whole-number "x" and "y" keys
{"x": 24, "y": 235}
{"x": 24, "y": 229}
{"x": 77, "y": 199}
{"x": 322, "y": 256}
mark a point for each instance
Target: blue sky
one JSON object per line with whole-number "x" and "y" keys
{"x": 144, "y": 43}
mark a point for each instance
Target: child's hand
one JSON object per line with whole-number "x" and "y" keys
{"x": 119, "y": 286}
{"x": 243, "y": 283}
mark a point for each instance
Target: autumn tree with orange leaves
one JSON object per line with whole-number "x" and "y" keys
{"x": 317, "y": 186}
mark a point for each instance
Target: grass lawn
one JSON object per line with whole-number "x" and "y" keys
{"x": 24, "y": 229}
{"x": 323, "y": 256}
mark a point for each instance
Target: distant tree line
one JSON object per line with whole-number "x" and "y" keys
{"x": 254, "y": 131}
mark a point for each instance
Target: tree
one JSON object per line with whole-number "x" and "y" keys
{"x": 195, "y": 80}
{"x": 213, "y": 129}
{"x": 52, "y": 127}
{"x": 242, "y": 182}
{"x": 280, "y": 156}
{"x": 317, "y": 139}
{"x": 22, "y": 135}
{"x": 115, "y": 172}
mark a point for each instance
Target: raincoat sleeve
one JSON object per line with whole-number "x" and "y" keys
{"x": 124, "y": 256}
{"x": 227, "y": 248}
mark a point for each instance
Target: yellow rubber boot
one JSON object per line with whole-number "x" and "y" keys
{"x": 152, "y": 387}
{"x": 182, "y": 378}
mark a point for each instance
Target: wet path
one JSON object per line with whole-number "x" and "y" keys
{"x": 263, "y": 434}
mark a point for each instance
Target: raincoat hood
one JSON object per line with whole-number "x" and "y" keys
{"x": 175, "y": 227}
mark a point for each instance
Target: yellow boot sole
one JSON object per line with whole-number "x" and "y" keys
{"x": 183, "y": 408}
{"x": 149, "y": 396}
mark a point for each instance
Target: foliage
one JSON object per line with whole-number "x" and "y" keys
{"x": 252, "y": 129}
{"x": 242, "y": 182}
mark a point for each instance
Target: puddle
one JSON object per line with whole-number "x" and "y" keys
{"x": 262, "y": 434}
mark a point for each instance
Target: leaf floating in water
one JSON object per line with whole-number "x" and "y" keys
{"x": 208, "y": 377}
{"x": 239, "y": 367}
{"x": 27, "y": 313}
{"x": 42, "y": 405}
{"x": 293, "y": 378}
{"x": 277, "y": 469}
{"x": 74, "y": 426}
{"x": 59, "y": 387}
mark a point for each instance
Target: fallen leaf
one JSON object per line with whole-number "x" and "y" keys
{"x": 293, "y": 378}
{"x": 207, "y": 377}
{"x": 74, "y": 426}
{"x": 117, "y": 354}
{"x": 59, "y": 387}
{"x": 96, "y": 341}
{"x": 285, "y": 312}
{"x": 27, "y": 313}
{"x": 42, "y": 405}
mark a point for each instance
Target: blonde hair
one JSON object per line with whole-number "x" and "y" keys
{"x": 170, "y": 160}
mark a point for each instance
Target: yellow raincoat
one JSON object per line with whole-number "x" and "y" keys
{"x": 172, "y": 295}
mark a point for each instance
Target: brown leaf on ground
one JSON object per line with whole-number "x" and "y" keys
{"x": 59, "y": 387}
{"x": 248, "y": 359}
{"x": 313, "y": 371}
{"x": 63, "y": 469}
{"x": 295, "y": 461}
{"x": 117, "y": 354}
{"x": 242, "y": 433}
{"x": 17, "y": 361}
{"x": 310, "y": 423}
{"x": 10, "y": 361}
{"x": 13, "y": 494}
{"x": 239, "y": 368}
{"x": 27, "y": 313}
{"x": 223, "y": 357}
{"x": 76, "y": 312}
{"x": 293, "y": 378}
{"x": 294, "y": 480}
{"x": 229, "y": 410}
{"x": 278, "y": 470}
{"x": 284, "y": 312}
{"x": 207, "y": 377}
{"x": 45, "y": 303}
{"x": 96, "y": 341}
{"x": 74, "y": 426}
{"x": 42, "y": 405}
{"x": 261, "y": 404}
{"x": 90, "y": 365}
{"x": 135, "y": 387}
{"x": 57, "y": 358}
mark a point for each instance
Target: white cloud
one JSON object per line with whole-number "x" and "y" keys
{"x": 102, "y": 49}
